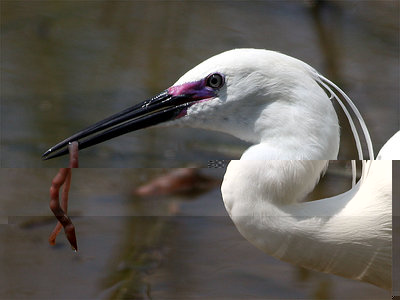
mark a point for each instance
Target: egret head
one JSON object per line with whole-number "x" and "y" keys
{"x": 264, "y": 96}
{"x": 259, "y": 96}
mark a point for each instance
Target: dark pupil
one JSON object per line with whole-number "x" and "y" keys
{"x": 214, "y": 81}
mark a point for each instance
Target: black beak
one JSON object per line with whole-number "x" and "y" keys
{"x": 161, "y": 108}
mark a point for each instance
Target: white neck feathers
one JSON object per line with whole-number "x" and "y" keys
{"x": 328, "y": 235}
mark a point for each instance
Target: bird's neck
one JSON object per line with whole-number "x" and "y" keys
{"x": 300, "y": 124}
{"x": 262, "y": 198}
{"x": 303, "y": 132}
{"x": 257, "y": 195}
{"x": 278, "y": 182}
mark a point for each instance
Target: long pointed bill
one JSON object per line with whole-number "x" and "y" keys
{"x": 169, "y": 105}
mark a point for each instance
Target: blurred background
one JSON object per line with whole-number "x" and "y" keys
{"x": 68, "y": 64}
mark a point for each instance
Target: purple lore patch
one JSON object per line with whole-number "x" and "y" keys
{"x": 196, "y": 90}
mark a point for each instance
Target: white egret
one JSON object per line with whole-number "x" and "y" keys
{"x": 283, "y": 106}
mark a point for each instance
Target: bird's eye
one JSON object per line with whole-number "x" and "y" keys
{"x": 215, "y": 80}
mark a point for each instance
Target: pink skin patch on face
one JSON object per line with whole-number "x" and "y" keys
{"x": 195, "y": 92}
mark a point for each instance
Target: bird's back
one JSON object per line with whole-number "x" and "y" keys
{"x": 363, "y": 229}
{"x": 391, "y": 149}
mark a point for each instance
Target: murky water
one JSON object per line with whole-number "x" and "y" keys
{"x": 178, "y": 247}
{"x": 65, "y": 65}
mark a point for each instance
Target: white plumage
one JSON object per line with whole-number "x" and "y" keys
{"x": 269, "y": 99}
{"x": 347, "y": 235}
{"x": 391, "y": 150}
{"x": 277, "y": 103}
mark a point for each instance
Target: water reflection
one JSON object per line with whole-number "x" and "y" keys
{"x": 66, "y": 65}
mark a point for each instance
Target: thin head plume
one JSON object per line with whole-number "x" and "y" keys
{"x": 353, "y": 173}
{"x": 331, "y": 88}
{"x": 326, "y": 83}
